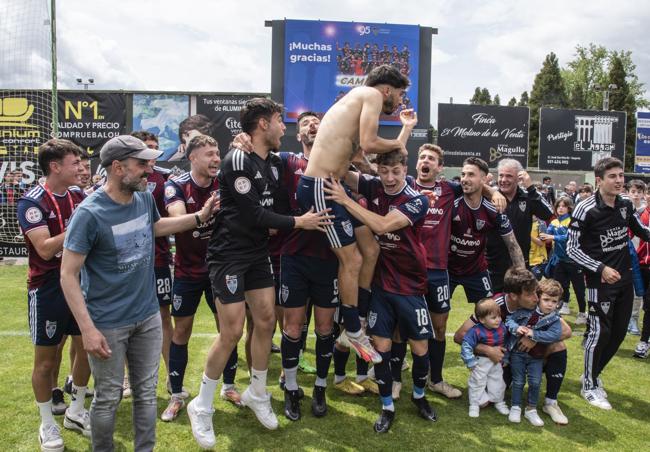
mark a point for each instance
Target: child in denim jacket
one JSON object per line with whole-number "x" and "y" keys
{"x": 542, "y": 325}
{"x": 485, "y": 375}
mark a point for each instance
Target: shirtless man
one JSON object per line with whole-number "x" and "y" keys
{"x": 349, "y": 124}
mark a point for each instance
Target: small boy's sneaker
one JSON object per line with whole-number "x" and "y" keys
{"x": 515, "y": 414}
{"x": 596, "y": 397}
{"x": 533, "y": 417}
{"x": 553, "y": 410}
{"x": 641, "y": 350}
{"x": 581, "y": 318}
{"x": 474, "y": 411}
{"x": 126, "y": 388}
{"x": 564, "y": 310}
{"x": 502, "y": 408}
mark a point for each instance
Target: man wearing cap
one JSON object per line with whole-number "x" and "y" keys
{"x": 111, "y": 243}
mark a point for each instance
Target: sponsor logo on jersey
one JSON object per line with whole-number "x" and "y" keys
{"x": 50, "y": 329}
{"x": 243, "y": 185}
{"x": 437, "y": 191}
{"x": 170, "y": 192}
{"x": 457, "y": 218}
{"x": 424, "y": 330}
{"x": 191, "y": 201}
{"x": 298, "y": 171}
{"x": 414, "y": 206}
{"x": 33, "y": 215}
{"x": 231, "y": 281}
{"x": 52, "y": 215}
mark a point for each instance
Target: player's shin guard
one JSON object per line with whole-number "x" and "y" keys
{"x": 177, "y": 366}
{"x": 340, "y": 361}
{"x": 555, "y": 369}
{"x": 351, "y": 318}
{"x": 324, "y": 347}
{"x": 419, "y": 372}
{"x": 397, "y": 354}
{"x": 383, "y": 377}
{"x": 290, "y": 353}
{"x": 364, "y": 302}
{"x": 436, "y": 358}
{"x": 362, "y": 368}
{"x": 231, "y": 368}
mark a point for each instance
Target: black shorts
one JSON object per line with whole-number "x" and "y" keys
{"x": 163, "y": 285}
{"x": 476, "y": 286}
{"x": 304, "y": 277}
{"x": 187, "y": 296}
{"x": 50, "y": 317}
{"x": 438, "y": 295}
{"x": 409, "y": 313}
{"x": 231, "y": 279}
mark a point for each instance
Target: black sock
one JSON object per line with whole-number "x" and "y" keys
{"x": 350, "y": 318}
{"x": 340, "y": 361}
{"x": 436, "y": 359}
{"x": 364, "y": 302}
{"x": 555, "y": 369}
{"x": 177, "y": 366}
{"x": 324, "y": 346}
{"x": 290, "y": 350}
{"x": 383, "y": 376}
{"x": 231, "y": 369}
{"x": 419, "y": 372}
{"x": 397, "y": 354}
{"x": 362, "y": 367}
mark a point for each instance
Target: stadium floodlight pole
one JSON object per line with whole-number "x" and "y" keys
{"x": 55, "y": 103}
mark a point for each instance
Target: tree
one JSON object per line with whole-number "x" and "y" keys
{"x": 486, "y": 99}
{"x": 476, "y": 98}
{"x": 496, "y": 100}
{"x": 512, "y": 102}
{"x": 548, "y": 91}
{"x": 621, "y": 99}
{"x": 523, "y": 100}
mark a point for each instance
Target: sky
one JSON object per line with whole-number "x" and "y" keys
{"x": 223, "y": 46}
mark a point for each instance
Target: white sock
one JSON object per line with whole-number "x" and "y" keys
{"x": 206, "y": 393}
{"x": 45, "y": 408}
{"x": 322, "y": 382}
{"x": 77, "y": 399}
{"x": 291, "y": 379}
{"x": 258, "y": 382}
{"x": 354, "y": 334}
{"x": 361, "y": 378}
{"x": 227, "y": 386}
{"x": 548, "y": 401}
{"x": 338, "y": 379}
{"x": 390, "y": 407}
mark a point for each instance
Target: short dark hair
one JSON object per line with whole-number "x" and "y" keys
{"x": 200, "y": 123}
{"x": 198, "y": 142}
{"x": 256, "y": 108}
{"x": 55, "y": 150}
{"x": 605, "y": 164}
{"x": 479, "y": 163}
{"x": 387, "y": 75}
{"x": 518, "y": 279}
{"x": 144, "y": 135}
{"x": 304, "y": 114}
{"x": 435, "y": 149}
{"x": 638, "y": 184}
{"x": 586, "y": 188}
{"x": 392, "y": 158}
{"x": 545, "y": 178}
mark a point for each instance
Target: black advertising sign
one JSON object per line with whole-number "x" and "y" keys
{"x": 576, "y": 139}
{"x": 25, "y": 124}
{"x": 223, "y": 112}
{"x": 490, "y": 132}
{"x": 90, "y": 119}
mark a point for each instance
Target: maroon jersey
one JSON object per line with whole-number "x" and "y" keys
{"x": 156, "y": 186}
{"x": 402, "y": 264}
{"x": 538, "y": 350}
{"x": 299, "y": 241}
{"x": 436, "y": 230}
{"x": 192, "y": 245}
{"x": 469, "y": 228}
{"x": 37, "y": 209}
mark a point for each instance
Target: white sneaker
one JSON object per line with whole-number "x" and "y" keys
{"x": 445, "y": 389}
{"x": 553, "y": 410}
{"x": 79, "y": 422}
{"x": 533, "y": 417}
{"x": 361, "y": 346}
{"x": 261, "y": 406}
{"x": 126, "y": 388}
{"x": 515, "y": 414}
{"x": 397, "y": 388}
{"x": 581, "y": 318}
{"x": 641, "y": 350}
{"x": 202, "y": 429}
{"x": 601, "y": 385}
{"x": 474, "y": 411}
{"x": 564, "y": 310}
{"x": 596, "y": 397}
{"x": 502, "y": 408}
{"x": 50, "y": 438}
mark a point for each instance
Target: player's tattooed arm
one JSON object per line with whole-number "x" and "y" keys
{"x": 514, "y": 250}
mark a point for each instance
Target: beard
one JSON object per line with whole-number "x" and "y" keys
{"x": 133, "y": 185}
{"x": 389, "y": 107}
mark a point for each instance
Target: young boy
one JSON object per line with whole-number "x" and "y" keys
{"x": 542, "y": 325}
{"x": 485, "y": 374}
{"x": 637, "y": 196}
